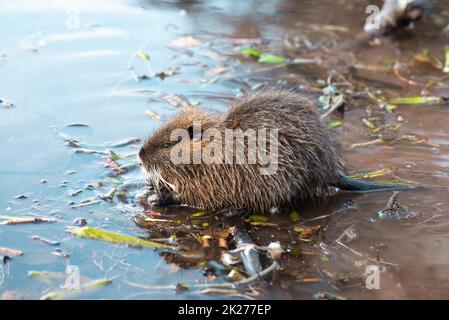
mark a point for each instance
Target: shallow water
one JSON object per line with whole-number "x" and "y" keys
{"x": 67, "y": 62}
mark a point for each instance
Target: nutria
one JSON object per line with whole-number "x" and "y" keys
{"x": 309, "y": 160}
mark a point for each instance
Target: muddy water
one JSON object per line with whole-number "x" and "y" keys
{"x": 65, "y": 62}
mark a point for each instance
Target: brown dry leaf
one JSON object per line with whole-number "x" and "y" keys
{"x": 27, "y": 220}
{"x": 188, "y": 41}
{"x": 306, "y": 232}
{"x": 275, "y": 250}
{"x": 153, "y": 115}
{"x": 211, "y": 73}
{"x": 180, "y": 287}
{"x": 10, "y": 252}
{"x": 310, "y": 280}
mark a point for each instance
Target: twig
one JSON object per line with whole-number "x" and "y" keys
{"x": 401, "y": 77}
{"x": 365, "y": 144}
{"x": 232, "y": 285}
{"x": 335, "y": 106}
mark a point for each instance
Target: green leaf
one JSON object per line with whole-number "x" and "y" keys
{"x": 370, "y": 124}
{"x": 446, "y": 59}
{"x": 114, "y": 155}
{"x": 70, "y": 294}
{"x": 263, "y": 224}
{"x": 251, "y": 52}
{"x": 199, "y": 214}
{"x": 256, "y": 218}
{"x": 263, "y": 57}
{"x": 371, "y": 174}
{"x": 294, "y": 215}
{"x": 142, "y": 55}
{"x": 111, "y": 237}
{"x": 335, "y": 124}
{"x": 372, "y": 96}
{"x": 415, "y": 100}
{"x": 46, "y": 274}
{"x": 271, "y": 58}
{"x": 390, "y": 108}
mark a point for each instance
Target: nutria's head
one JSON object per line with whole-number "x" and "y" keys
{"x": 156, "y": 155}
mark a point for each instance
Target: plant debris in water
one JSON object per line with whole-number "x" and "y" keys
{"x": 395, "y": 210}
{"x": 108, "y": 236}
{"x": 262, "y": 57}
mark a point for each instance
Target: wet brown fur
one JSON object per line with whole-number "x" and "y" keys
{"x": 309, "y": 159}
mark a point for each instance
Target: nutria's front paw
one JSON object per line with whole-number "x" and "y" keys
{"x": 158, "y": 200}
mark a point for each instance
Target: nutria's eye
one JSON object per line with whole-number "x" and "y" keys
{"x": 167, "y": 145}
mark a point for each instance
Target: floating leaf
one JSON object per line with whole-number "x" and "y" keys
{"x": 263, "y": 57}
{"x": 199, "y": 214}
{"x": 153, "y": 115}
{"x": 188, "y": 41}
{"x": 111, "y": 237}
{"x": 446, "y": 59}
{"x": 263, "y": 224}
{"x": 45, "y": 240}
{"x": 369, "y": 123}
{"x": 415, "y": 100}
{"x": 294, "y": 215}
{"x": 426, "y": 58}
{"x": 377, "y": 99}
{"x": 46, "y": 274}
{"x": 114, "y": 155}
{"x": 235, "y": 275}
{"x": 390, "y": 108}
{"x": 370, "y": 174}
{"x": 306, "y": 232}
{"x": 26, "y": 220}
{"x": 256, "y": 218}
{"x": 335, "y": 124}
{"x": 70, "y": 294}
{"x": 251, "y": 52}
{"x": 142, "y": 55}
{"x": 271, "y": 58}
{"x": 10, "y": 252}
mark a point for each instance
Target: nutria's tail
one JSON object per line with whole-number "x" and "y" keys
{"x": 355, "y": 185}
